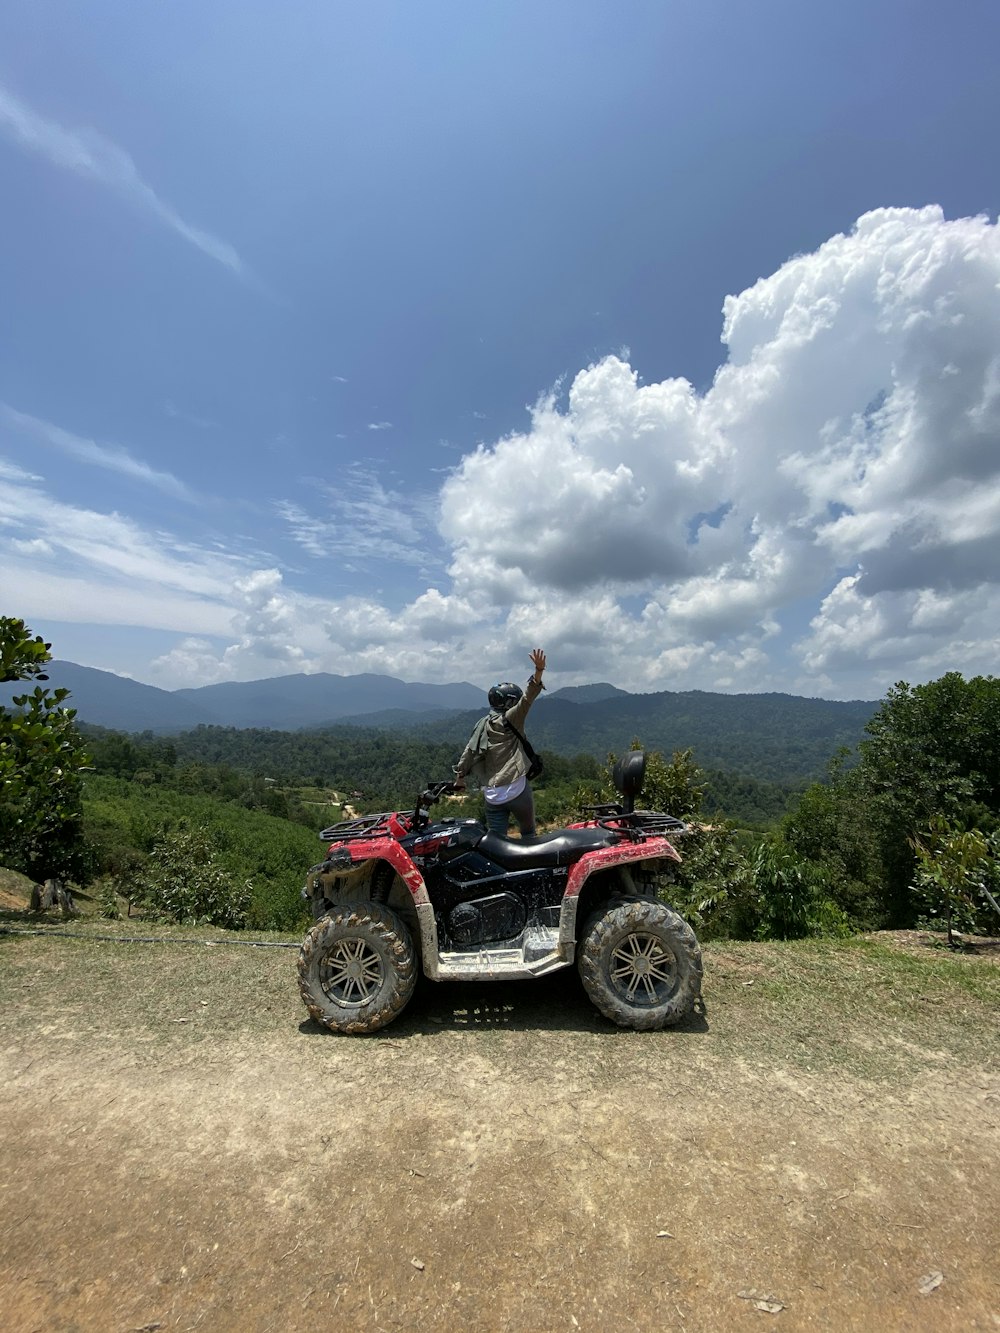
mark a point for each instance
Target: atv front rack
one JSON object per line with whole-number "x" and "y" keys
{"x": 349, "y": 830}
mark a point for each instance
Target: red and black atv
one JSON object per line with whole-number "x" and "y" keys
{"x": 397, "y": 891}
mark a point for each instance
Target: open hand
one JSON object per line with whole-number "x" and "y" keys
{"x": 538, "y": 657}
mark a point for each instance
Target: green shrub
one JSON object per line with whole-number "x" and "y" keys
{"x": 713, "y": 888}
{"x": 108, "y": 897}
{"x": 793, "y": 894}
{"x": 182, "y": 881}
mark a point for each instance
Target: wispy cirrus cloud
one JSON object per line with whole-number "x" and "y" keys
{"x": 363, "y": 520}
{"x": 88, "y": 153}
{"x": 176, "y": 413}
{"x": 11, "y": 472}
{"x": 106, "y": 551}
{"x": 111, "y": 457}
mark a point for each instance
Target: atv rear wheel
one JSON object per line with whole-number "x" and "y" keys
{"x": 640, "y": 964}
{"x": 357, "y": 968}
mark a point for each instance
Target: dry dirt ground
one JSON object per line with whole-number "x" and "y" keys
{"x": 184, "y": 1148}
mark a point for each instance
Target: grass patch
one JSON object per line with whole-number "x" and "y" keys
{"x": 857, "y": 1002}
{"x": 852, "y": 1008}
{"x": 87, "y": 978}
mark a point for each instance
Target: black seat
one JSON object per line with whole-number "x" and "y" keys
{"x": 561, "y": 848}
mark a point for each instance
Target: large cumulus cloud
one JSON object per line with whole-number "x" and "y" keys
{"x": 847, "y": 452}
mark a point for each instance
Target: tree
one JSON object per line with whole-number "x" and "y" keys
{"x": 953, "y": 866}
{"x": 22, "y": 657}
{"x": 182, "y": 881}
{"x": 837, "y": 829}
{"x": 930, "y": 751}
{"x": 676, "y": 787}
{"x": 41, "y": 759}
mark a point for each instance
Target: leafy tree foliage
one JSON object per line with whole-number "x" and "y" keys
{"x": 954, "y": 874}
{"x": 711, "y": 886}
{"x": 182, "y": 881}
{"x": 930, "y": 751}
{"x": 41, "y": 758}
{"x": 732, "y": 882}
{"x": 22, "y": 655}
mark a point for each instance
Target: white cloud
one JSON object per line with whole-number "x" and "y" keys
{"x": 64, "y": 562}
{"x": 192, "y": 662}
{"x": 266, "y": 624}
{"x": 176, "y": 413}
{"x": 915, "y": 635}
{"x": 11, "y": 472}
{"x": 31, "y": 546}
{"x": 380, "y": 425}
{"x": 111, "y": 457}
{"x": 824, "y": 518}
{"x": 53, "y": 593}
{"x": 87, "y": 153}
{"x": 856, "y": 419}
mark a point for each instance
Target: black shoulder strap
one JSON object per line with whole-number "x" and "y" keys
{"x": 524, "y": 741}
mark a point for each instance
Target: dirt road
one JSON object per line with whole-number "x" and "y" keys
{"x": 185, "y": 1149}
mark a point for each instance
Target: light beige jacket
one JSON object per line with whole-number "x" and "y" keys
{"x": 504, "y": 760}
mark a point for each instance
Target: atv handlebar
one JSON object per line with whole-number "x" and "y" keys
{"x": 434, "y": 792}
{"x": 428, "y": 797}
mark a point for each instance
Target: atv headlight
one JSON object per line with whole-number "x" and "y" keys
{"x": 339, "y": 859}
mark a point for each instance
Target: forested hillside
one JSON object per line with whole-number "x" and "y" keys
{"x": 262, "y": 857}
{"x": 372, "y": 769}
{"x": 776, "y": 738}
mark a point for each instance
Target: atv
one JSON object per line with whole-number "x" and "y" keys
{"x": 398, "y": 891}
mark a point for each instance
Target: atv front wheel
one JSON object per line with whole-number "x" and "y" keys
{"x": 357, "y": 968}
{"x": 640, "y": 964}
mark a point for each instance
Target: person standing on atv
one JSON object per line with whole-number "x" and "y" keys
{"x": 495, "y": 755}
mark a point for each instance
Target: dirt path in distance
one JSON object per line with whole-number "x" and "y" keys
{"x": 185, "y": 1149}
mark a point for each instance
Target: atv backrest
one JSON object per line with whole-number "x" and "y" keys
{"x": 627, "y": 775}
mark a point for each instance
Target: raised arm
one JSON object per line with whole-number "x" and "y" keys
{"x": 535, "y": 686}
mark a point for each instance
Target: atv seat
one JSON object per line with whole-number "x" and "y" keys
{"x": 561, "y": 848}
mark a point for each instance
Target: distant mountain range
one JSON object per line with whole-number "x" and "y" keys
{"x": 284, "y": 703}
{"x": 770, "y": 736}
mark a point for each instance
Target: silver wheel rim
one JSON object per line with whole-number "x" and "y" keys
{"x": 352, "y": 973}
{"x": 643, "y": 970}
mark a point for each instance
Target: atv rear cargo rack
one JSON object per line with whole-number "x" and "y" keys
{"x": 613, "y": 816}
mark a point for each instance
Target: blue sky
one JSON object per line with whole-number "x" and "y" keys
{"x": 402, "y": 337}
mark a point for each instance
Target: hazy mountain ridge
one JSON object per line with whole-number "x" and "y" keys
{"x": 774, "y": 737}
{"x": 285, "y": 703}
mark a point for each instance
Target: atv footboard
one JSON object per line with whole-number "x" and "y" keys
{"x": 536, "y": 951}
